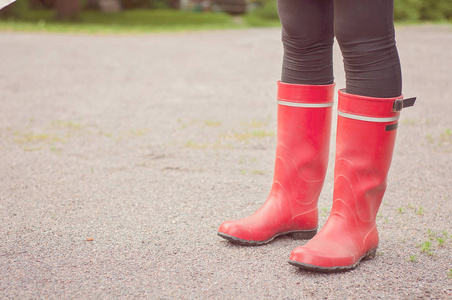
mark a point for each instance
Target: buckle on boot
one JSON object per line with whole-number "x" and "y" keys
{"x": 399, "y": 104}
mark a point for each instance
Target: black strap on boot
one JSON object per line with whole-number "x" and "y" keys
{"x": 399, "y": 104}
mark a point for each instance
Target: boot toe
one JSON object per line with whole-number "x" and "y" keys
{"x": 310, "y": 259}
{"x": 231, "y": 228}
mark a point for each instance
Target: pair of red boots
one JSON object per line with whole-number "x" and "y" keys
{"x": 366, "y": 132}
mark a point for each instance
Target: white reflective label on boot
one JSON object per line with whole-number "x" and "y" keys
{"x": 368, "y": 119}
{"x": 312, "y": 105}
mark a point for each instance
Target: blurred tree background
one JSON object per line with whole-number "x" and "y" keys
{"x": 423, "y": 10}
{"x": 218, "y": 13}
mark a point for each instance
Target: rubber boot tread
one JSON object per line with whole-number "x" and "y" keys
{"x": 368, "y": 256}
{"x": 297, "y": 235}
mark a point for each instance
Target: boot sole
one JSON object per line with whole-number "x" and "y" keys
{"x": 368, "y": 256}
{"x": 296, "y": 235}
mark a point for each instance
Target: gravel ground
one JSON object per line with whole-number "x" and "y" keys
{"x": 121, "y": 156}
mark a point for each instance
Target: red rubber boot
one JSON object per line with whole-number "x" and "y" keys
{"x": 303, "y": 139}
{"x": 366, "y": 132}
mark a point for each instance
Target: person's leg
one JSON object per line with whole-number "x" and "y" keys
{"x": 305, "y": 100}
{"x": 364, "y": 30}
{"x": 368, "y": 111}
{"x": 307, "y": 36}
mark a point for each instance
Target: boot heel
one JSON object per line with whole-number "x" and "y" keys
{"x": 304, "y": 235}
{"x": 371, "y": 254}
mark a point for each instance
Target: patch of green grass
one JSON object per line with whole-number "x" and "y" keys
{"x": 257, "y": 123}
{"x": 413, "y": 258}
{"x": 441, "y": 238}
{"x": 445, "y": 137}
{"x": 220, "y": 145}
{"x": 55, "y": 149}
{"x": 262, "y": 133}
{"x": 449, "y": 274}
{"x": 191, "y": 144}
{"x": 29, "y": 149}
{"x": 128, "y": 21}
{"x": 31, "y": 137}
{"x": 443, "y": 141}
{"x": 210, "y": 123}
{"x": 264, "y": 16}
{"x": 425, "y": 248}
{"x": 138, "y": 132}
{"x": 189, "y": 123}
{"x": 256, "y": 21}
{"x": 104, "y": 133}
{"x": 251, "y": 130}
{"x": 440, "y": 241}
{"x": 58, "y": 133}
{"x": 420, "y": 211}
{"x": 248, "y": 135}
{"x": 409, "y": 121}
{"x": 66, "y": 124}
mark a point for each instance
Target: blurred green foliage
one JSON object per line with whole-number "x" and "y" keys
{"x": 263, "y": 16}
{"x": 267, "y": 10}
{"x": 423, "y": 10}
{"x": 146, "y": 4}
{"x": 16, "y": 10}
{"x": 128, "y": 21}
{"x": 404, "y": 10}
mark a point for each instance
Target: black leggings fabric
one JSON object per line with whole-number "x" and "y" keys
{"x": 364, "y": 30}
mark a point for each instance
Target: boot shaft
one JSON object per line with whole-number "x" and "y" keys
{"x": 366, "y": 133}
{"x": 303, "y": 133}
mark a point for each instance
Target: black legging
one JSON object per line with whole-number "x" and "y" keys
{"x": 364, "y": 30}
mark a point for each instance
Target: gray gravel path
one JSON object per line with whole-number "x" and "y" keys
{"x": 121, "y": 155}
